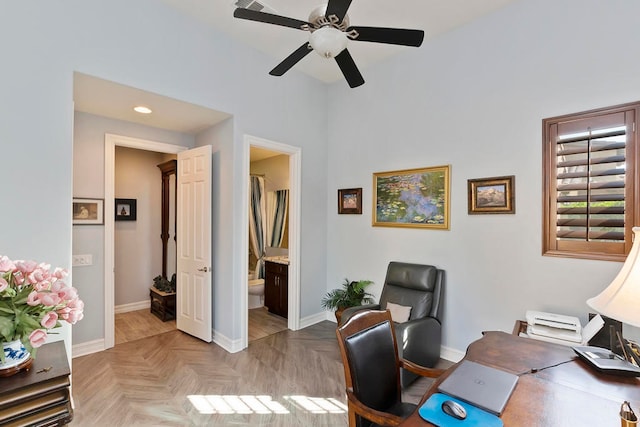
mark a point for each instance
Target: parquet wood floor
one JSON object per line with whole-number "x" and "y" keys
{"x": 291, "y": 378}
{"x": 135, "y": 325}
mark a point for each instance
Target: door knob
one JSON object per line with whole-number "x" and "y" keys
{"x": 205, "y": 269}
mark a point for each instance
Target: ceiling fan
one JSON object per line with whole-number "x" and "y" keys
{"x": 330, "y": 32}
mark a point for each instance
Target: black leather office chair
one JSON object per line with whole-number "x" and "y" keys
{"x": 420, "y": 288}
{"x": 372, "y": 370}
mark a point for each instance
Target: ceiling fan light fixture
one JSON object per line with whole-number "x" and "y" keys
{"x": 328, "y": 42}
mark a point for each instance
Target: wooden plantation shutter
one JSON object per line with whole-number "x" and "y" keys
{"x": 589, "y": 181}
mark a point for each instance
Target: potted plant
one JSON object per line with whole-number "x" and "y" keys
{"x": 350, "y": 295}
{"x": 34, "y": 299}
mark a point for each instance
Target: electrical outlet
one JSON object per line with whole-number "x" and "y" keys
{"x": 81, "y": 260}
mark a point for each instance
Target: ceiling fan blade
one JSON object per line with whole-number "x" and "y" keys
{"x": 398, "y": 36}
{"x": 338, "y": 8}
{"x": 269, "y": 18}
{"x": 291, "y": 60}
{"x": 349, "y": 69}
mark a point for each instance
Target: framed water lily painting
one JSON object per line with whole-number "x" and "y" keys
{"x": 416, "y": 198}
{"x": 88, "y": 211}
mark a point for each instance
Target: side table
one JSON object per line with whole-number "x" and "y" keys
{"x": 39, "y": 396}
{"x": 163, "y": 304}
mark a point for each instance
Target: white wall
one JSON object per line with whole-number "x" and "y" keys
{"x": 177, "y": 57}
{"x": 475, "y": 99}
{"x": 138, "y": 247}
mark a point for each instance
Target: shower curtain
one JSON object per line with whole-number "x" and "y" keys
{"x": 257, "y": 222}
{"x": 277, "y": 216}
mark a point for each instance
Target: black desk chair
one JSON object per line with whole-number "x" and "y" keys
{"x": 417, "y": 291}
{"x": 372, "y": 370}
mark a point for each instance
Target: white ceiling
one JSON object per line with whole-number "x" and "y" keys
{"x": 113, "y": 100}
{"x": 434, "y": 17}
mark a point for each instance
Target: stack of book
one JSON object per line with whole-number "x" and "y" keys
{"x": 41, "y": 395}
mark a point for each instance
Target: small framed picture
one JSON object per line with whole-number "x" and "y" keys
{"x": 125, "y": 209}
{"x": 492, "y": 195}
{"x": 88, "y": 211}
{"x": 350, "y": 201}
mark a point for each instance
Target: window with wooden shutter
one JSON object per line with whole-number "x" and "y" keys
{"x": 589, "y": 181}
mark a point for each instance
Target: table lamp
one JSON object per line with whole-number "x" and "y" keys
{"x": 621, "y": 299}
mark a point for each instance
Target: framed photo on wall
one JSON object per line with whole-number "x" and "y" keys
{"x": 350, "y": 201}
{"x": 494, "y": 195}
{"x": 416, "y": 198}
{"x": 125, "y": 209}
{"x": 88, "y": 211}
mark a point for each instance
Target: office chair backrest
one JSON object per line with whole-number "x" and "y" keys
{"x": 370, "y": 357}
{"x": 415, "y": 285}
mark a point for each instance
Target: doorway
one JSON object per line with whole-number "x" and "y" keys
{"x": 111, "y": 141}
{"x": 293, "y": 285}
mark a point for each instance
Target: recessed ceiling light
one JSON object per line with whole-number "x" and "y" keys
{"x": 142, "y": 109}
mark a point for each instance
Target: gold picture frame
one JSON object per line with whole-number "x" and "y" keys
{"x": 494, "y": 195}
{"x": 413, "y": 198}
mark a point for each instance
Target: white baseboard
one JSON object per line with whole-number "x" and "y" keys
{"x": 313, "y": 319}
{"x": 232, "y": 346}
{"x": 134, "y": 306}
{"x": 450, "y": 354}
{"x": 88, "y": 347}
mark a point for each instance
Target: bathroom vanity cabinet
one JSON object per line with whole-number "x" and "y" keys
{"x": 276, "y": 288}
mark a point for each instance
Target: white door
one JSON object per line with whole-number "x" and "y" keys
{"x": 193, "y": 299}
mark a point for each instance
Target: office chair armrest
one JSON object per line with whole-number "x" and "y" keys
{"x": 377, "y": 417}
{"x": 421, "y": 370}
{"x": 419, "y": 340}
{"x": 348, "y": 312}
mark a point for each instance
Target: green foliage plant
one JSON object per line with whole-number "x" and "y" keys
{"x": 351, "y": 294}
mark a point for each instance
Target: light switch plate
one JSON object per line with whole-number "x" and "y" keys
{"x": 81, "y": 260}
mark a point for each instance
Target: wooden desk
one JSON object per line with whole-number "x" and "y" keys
{"x": 570, "y": 394}
{"x": 39, "y": 396}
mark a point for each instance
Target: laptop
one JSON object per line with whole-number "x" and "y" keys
{"x": 479, "y": 385}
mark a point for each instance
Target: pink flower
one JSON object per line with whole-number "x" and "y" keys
{"x": 6, "y": 264}
{"x": 37, "y": 338}
{"x": 42, "y": 286}
{"x": 49, "y": 320}
{"x": 3, "y": 284}
{"x": 33, "y": 299}
{"x": 67, "y": 293}
{"x": 63, "y": 313}
{"x": 48, "y": 299}
{"x": 26, "y": 267}
{"x": 60, "y": 273}
{"x": 18, "y": 278}
{"x": 75, "y": 316}
{"x": 40, "y": 274}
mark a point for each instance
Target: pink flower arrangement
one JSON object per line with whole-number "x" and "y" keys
{"x": 33, "y": 300}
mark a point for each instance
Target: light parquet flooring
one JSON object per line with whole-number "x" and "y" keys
{"x": 172, "y": 379}
{"x": 135, "y": 325}
{"x": 262, "y": 323}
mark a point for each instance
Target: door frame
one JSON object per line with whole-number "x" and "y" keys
{"x": 110, "y": 143}
{"x": 295, "y": 179}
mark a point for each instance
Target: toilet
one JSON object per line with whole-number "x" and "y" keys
{"x": 256, "y": 293}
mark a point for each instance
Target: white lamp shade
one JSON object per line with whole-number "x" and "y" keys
{"x": 328, "y": 41}
{"x": 621, "y": 299}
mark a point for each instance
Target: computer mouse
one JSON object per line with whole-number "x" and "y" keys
{"x": 454, "y": 409}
